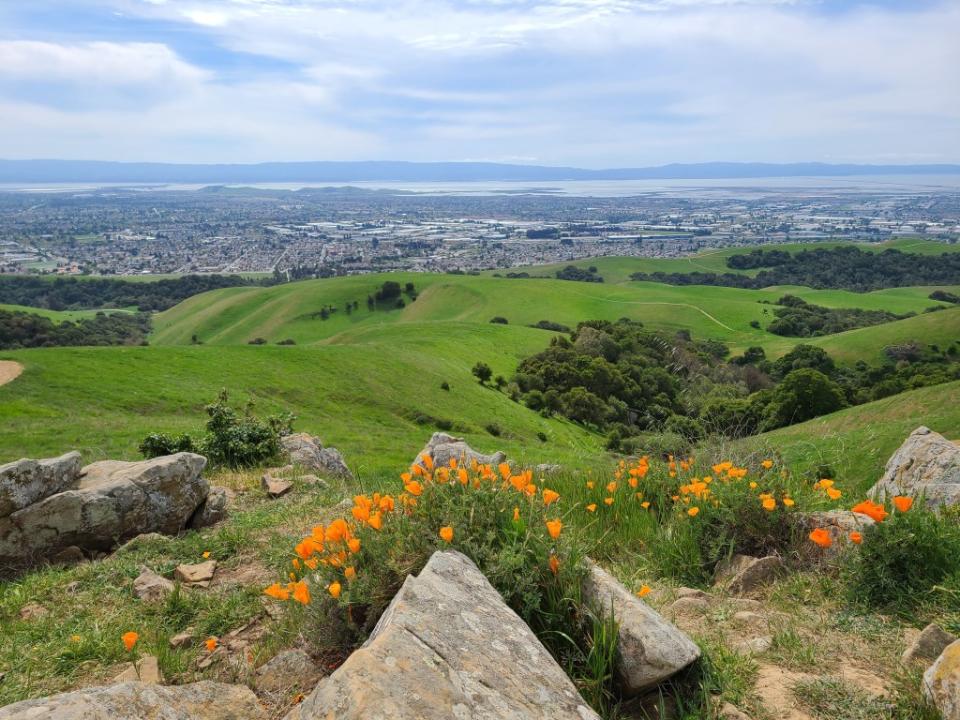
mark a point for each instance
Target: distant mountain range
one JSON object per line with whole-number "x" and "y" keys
{"x": 61, "y": 171}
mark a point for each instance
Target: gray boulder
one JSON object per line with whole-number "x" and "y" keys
{"x": 112, "y": 502}
{"x": 928, "y": 644}
{"x": 941, "y": 682}
{"x": 447, "y": 647}
{"x": 309, "y": 453}
{"x": 26, "y": 481}
{"x": 926, "y": 464}
{"x": 137, "y": 700}
{"x": 442, "y": 448}
{"x": 150, "y": 587}
{"x": 288, "y": 671}
{"x": 649, "y": 649}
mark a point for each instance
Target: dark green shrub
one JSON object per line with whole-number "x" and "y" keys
{"x": 902, "y": 560}
{"x": 499, "y": 320}
{"x": 159, "y": 444}
{"x": 494, "y": 429}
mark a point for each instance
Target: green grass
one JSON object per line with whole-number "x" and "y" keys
{"x": 58, "y": 316}
{"x": 857, "y": 442}
{"x": 237, "y": 315}
{"x": 364, "y": 399}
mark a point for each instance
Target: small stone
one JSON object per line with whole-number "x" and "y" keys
{"x": 755, "y": 646}
{"x": 146, "y": 671}
{"x": 686, "y": 592}
{"x": 71, "y": 555}
{"x": 151, "y": 587}
{"x": 928, "y": 644}
{"x": 275, "y": 487}
{"x": 748, "y": 619}
{"x": 288, "y": 671}
{"x": 744, "y": 574}
{"x": 198, "y": 575}
{"x": 313, "y": 480}
{"x": 731, "y": 712}
{"x": 33, "y": 611}
{"x": 182, "y": 640}
{"x": 689, "y": 606}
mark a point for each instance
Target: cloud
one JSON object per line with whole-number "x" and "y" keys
{"x": 590, "y": 82}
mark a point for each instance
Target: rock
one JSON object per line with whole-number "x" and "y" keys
{"x": 941, "y": 682}
{"x": 183, "y": 639}
{"x": 730, "y": 712}
{"x": 751, "y": 621}
{"x": 275, "y": 487}
{"x": 308, "y": 452}
{"x": 211, "y": 511}
{"x": 112, "y": 501}
{"x": 685, "y": 592}
{"x": 442, "y": 448}
{"x": 744, "y": 574}
{"x": 649, "y": 649}
{"x": 745, "y": 604}
{"x": 136, "y": 701}
{"x": 689, "y": 606}
{"x": 33, "y": 611}
{"x": 447, "y": 647}
{"x": 926, "y": 464}
{"x": 928, "y": 644}
{"x": 151, "y": 587}
{"x": 288, "y": 671}
{"x": 25, "y": 482}
{"x": 755, "y": 645}
{"x": 198, "y": 575}
{"x": 146, "y": 671}
{"x": 313, "y": 480}
{"x": 68, "y": 556}
{"x": 546, "y": 469}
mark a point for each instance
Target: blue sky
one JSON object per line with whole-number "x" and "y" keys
{"x": 593, "y": 83}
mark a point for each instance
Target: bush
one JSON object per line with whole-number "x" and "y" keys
{"x": 902, "y": 561}
{"x": 288, "y": 341}
{"x": 499, "y": 320}
{"x": 445, "y": 386}
{"x": 257, "y": 341}
{"x": 233, "y": 440}
{"x": 655, "y": 444}
{"x": 482, "y": 372}
{"x": 493, "y": 429}
{"x": 160, "y": 444}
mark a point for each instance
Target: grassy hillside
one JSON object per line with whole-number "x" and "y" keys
{"x": 619, "y": 269}
{"x": 238, "y": 315}
{"x": 857, "y": 442}
{"x": 365, "y": 399}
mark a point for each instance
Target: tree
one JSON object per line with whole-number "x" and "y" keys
{"x": 803, "y": 394}
{"x": 581, "y": 405}
{"x": 482, "y": 372}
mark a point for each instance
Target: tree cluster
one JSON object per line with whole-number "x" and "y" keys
{"x": 28, "y": 330}
{"x": 798, "y": 318}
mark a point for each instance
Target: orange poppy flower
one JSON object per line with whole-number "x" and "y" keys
{"x": 414, "y": 488}
{"x": 554, "y": 527}
{"x": 645, "y": 504}
{"x": 554, "y": 564}
{"x": 591, "y": 507}
{"x": 766, "y": 464}
{"x": 871, "y": 509}
{"x": 427, "y": 461}
{"x": 354, "y": 545}
{"x": 334, "y": 589}
{"x": 350, "y": 573}
{"x": 608, "y": 501}
{"x": 129, "y": 640}
{"x": 550, "y": 496}
{"x": 375, "y": 521}
{"x": 611, "y": 486}
{"x": 277, "y": 592}
{"x": 516, "y": 514}
{"x": 643, "y": 591}
{"x": 301, "y": 593}
{"x": 769, "y": 504}
{"x": 821, "y": 537}
{"x": 902, "y": 503}
{"x": 211, "y": 643}
{"x": 694, "y": 511}
{"x": 856, "y": 538}
{"x": 446, "y": 534}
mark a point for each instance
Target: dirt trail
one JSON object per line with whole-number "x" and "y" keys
{"x": 9, "y": 370}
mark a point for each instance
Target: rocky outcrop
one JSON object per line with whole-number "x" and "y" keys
{"x": 110, "y": 502}
{"x": 309, "y": 453}
{"x": 649, "y": 649}
{"x": 137, "y": 700}
{"x": 443, "y": 448}
{"x": 744, "y": 574}
{"x": 926, "y": 464}
{"x": 941, "y": 682}
{"x": 447, "y": 647}
{"x": 928, "y": 644}
{"x": 25, "y": 482}
{"x": 211, "y": 511}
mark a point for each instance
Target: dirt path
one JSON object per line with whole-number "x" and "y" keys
{"x": 9, "y": 370}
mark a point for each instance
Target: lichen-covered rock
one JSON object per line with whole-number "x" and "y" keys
{"x": 443, "y": 448}
{"x": 286, "y": 672}
{"x": 111, "y": 502}
{"x": 25, "y": 482}
{"x": 447, "y": 647}
{"x": 941, "y": 682}
{"x": 136, "y": 701}
{"x": 744, "y": 574}
{"x": 308, "y": 452}
{"x": 649, "y": 649}
{"x": 926, "y": 464}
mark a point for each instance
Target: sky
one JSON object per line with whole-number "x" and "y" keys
{"x": 589, "y": 83}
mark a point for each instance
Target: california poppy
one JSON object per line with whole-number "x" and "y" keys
{"x": 129, "y": 640}
{"x": 591, "y": 507}
{"x": 350, "y": 573}
{"x": 856, "y": 538}
{"x": 643, "y": 591}
{"x": 554, "y": 564}
{"x": 334, "y": 589}
{"x": 821, "y": 537}
{"x": 301, "y": 593}
{"x": 554, "y": 527}
{"x": 550, "y": 496}
{"x": 211, "y": 643}
{"x": 692, "y": 512}
{"x": 446, "y": 534}
{"x": 769, "y": 504}
{"x": 902, "y": 503}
